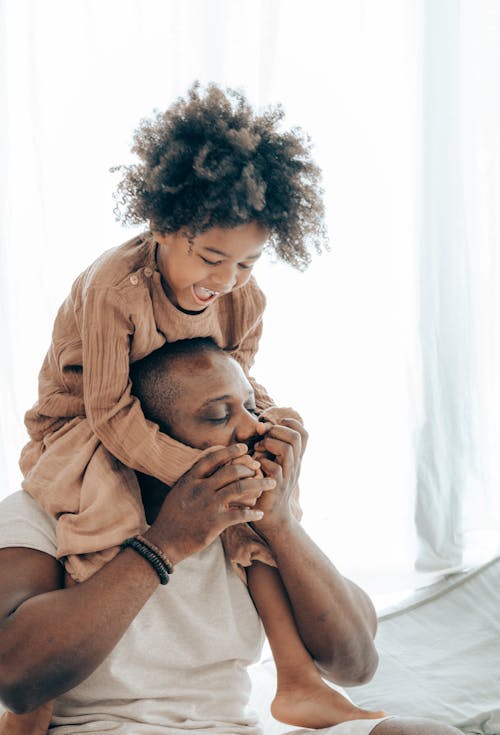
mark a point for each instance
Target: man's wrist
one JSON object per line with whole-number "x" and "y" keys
{"x": 167, "y": 546}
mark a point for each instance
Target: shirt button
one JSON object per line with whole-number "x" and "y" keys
{"x": 134, "y": 280}
{"x": 148, "y": 272}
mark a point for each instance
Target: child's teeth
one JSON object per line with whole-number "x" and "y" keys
{"x": 205, "y": 293}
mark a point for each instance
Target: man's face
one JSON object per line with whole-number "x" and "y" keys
{"x": 215, "y": 406}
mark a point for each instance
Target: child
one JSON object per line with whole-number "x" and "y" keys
{"x": 216, "y": 183}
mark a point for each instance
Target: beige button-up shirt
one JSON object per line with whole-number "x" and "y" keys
{"x": 86, "y": 417}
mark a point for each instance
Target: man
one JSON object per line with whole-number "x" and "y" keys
{"x": 120, "y": 653}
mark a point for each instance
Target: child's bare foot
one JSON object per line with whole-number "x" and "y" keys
{"x": 316, "y": 705}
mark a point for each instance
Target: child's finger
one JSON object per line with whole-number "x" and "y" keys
{"x": 278, "y": 439}
{"x": 244, "y": 492}
{"x": 248, "y": 461}
{"x": 215, "y": 457}
{"x": 276, "y": 414}
{"x": 272, "y": 469}
{"x": 298, "y": 427}
{"x": 243, "y": 515}
{"x": 262, "y": 427}
{"x": 258, "y": 455}
{"x": 228, "y": 474}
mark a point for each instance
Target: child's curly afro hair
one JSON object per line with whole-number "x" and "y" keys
{"x": 209, "y": 161}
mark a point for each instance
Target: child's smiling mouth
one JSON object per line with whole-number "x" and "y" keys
{"x": 204, "y": 295}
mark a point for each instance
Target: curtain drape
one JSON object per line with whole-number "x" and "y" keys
{"x": 389, "y": 344}
{"x": 457, "y": 510}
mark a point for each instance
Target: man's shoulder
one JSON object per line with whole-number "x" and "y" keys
{"x": 23, "y": 522}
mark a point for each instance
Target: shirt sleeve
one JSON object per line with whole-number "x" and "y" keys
{"x": 24, "y": 523}
{"x": 115, "y": 415}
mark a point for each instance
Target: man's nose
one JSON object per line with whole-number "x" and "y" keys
{"x": 247, "y": 430}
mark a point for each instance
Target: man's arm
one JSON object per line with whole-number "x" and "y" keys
{"x": 51, "y": 639}
{"x": 335, "y": 618}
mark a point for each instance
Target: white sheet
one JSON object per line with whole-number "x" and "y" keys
{"x": 440, "y": 657}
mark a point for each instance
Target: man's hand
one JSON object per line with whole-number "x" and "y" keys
{"x": 215, "y": 493}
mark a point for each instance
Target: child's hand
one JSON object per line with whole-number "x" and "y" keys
{"x": 276, "y": 414}
{"x": 249, "y": 461}
{"x": 252, "y": 459}
{"x": 285, "y": 416}
{"x": 280, "y": 454}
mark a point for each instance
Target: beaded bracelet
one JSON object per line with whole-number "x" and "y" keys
{"x": 154, "y": 559}
{"x": 156, "y": 550}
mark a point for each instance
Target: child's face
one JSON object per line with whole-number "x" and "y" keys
{"x": 215, "y": 407}
{"x": 217, "y": 261}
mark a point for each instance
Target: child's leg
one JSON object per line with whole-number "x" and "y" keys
{"x": 302, "y": 697}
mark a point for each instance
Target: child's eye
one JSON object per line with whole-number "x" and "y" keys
{"x": 244, "y": 267}
{"x": 210, "y": 262}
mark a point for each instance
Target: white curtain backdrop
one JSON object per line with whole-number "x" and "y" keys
{"x": 458, "y": 503}
{"x": 389, "y": 345}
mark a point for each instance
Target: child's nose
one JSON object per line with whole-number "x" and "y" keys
{"x": 225, "y": 278}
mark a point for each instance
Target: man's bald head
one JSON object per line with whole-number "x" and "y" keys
{"x": 157, "y": 379}
{"x": 197, "y": 393}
